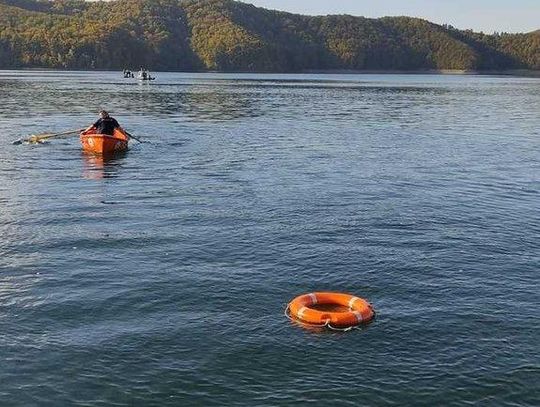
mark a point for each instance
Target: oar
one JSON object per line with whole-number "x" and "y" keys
{"x": 41, "y": 137}
{"x": 134, "y": 138}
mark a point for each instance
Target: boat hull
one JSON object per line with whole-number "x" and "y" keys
{"x": 104, "y": 144}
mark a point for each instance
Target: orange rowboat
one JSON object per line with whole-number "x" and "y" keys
{"x": 104, "y": 144}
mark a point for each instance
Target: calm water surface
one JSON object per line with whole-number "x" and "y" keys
{"x": 160, "y": 278}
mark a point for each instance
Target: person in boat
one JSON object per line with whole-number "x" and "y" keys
{"x": 105, "y": 124}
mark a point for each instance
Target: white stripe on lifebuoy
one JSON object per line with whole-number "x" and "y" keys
{"x": 352, "y": 301}
{"x": 301, "y": 312}
{"x": 313, "y": 299}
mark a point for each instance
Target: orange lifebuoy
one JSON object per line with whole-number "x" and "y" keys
{"x": 358, "y": 310}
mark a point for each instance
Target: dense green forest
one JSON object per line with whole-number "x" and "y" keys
{"x": 225, "y": 35}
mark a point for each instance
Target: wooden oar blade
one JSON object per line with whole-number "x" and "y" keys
{"x": 36, "y": 139}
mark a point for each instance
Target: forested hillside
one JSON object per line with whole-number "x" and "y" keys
{"x": 230, "y": 36}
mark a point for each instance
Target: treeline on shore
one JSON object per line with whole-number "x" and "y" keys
{"x": 225, "y": 35}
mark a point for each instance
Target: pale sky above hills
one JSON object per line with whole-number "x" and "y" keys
{"x": 480, "y": 15}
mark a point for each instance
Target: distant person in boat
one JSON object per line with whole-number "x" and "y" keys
{"x": 105, "y": 124}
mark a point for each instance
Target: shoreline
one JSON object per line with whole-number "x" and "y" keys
{"x": 528, "y": 73}
{"x": 512, "y": 72}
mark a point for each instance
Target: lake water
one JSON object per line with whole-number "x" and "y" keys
{"x": 160, "y": 278}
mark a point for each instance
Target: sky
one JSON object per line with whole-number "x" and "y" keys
{"x": 480, "y": 15}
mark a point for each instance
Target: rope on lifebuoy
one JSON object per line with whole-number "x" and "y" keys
{"x": 326, "y": 325}
{"x": 342, "y": 329}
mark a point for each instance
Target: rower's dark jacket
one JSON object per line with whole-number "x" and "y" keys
{"x": 106, "y": 126}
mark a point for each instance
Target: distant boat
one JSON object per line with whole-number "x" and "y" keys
{"x": 145, "y": 76}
